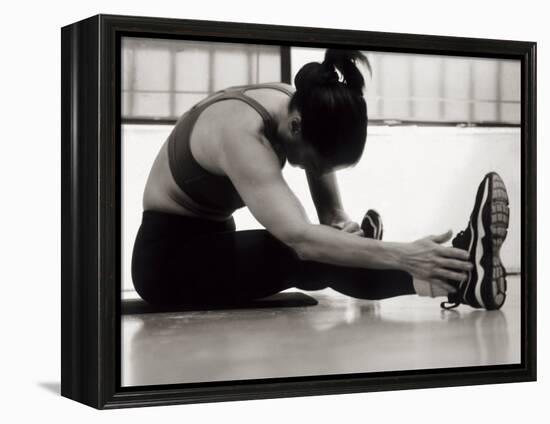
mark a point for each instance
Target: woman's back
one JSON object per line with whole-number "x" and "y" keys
{"x": 186, "y": 177}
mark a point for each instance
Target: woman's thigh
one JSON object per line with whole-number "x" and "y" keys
{"x": 212, "y": 268}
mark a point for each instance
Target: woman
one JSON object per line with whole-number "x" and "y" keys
{"x": 227, "y": 152}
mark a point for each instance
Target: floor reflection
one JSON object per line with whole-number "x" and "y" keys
{"x": 340, "y": 335}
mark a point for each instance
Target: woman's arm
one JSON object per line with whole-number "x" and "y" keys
{"x": 255, "y": 172}
{"x": 326, "y": 196}
{"x": 328, "y": 203}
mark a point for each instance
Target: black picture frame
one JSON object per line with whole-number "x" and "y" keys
{"x": 90, "y": 203}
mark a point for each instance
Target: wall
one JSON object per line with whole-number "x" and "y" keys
{"x": 422, "y": 180}
{"x": 164, "y": 78}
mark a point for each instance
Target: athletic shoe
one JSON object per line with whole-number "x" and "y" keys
{"x": 372, "y": 225}
{"x": 485, "y": 285}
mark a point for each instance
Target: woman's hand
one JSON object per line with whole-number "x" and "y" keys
{"x": 342, "y": 222}
{"x": 432, "y": 264}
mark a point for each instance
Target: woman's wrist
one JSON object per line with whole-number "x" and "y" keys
{"x": 324, "y": 244}
{"x": 393, "y": 254}
{"x": 380, "y": 254}
{"x": 335, "y": 218}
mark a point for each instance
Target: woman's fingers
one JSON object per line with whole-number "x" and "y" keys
{"x": 453, "y": 252}
{"x": 442, "y": 238}
{"x": 353, "y": 228}
{"x": 456, "y": 264}
{"x": 449, "y": 275}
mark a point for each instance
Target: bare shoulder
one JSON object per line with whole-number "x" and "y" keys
{"x": 241, "y": 127}
{"x": 247, "y": 149}
{"x": 240, "y": 130}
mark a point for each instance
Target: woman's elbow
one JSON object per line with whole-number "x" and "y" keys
{"x": 297, "y": 240}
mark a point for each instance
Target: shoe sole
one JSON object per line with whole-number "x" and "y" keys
{"x": 489, "y": 224}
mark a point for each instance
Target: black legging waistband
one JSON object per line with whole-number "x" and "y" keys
{"x": 170, "y": 223}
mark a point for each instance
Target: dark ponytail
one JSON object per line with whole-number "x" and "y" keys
{"x": 332, "y": 106}
{"x": 345, "y": 61}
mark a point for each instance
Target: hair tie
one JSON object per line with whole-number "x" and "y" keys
{"x": 330, "y": 75}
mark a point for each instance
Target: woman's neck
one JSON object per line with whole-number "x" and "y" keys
{"x": 282, "y": 117}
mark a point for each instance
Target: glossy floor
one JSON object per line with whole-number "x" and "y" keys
{"x": 339, "y": 335}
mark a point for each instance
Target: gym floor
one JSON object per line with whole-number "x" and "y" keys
{"x": 339, "y": 335}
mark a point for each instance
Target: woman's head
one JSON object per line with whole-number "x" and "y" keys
{"x": 331, "y": 108}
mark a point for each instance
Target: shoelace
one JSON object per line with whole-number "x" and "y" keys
{"x": 451, "y": 305}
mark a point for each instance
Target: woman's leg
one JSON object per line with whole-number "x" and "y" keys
{"x": 252, "y": 264}
{"x": 360, "y": 283}
{"x": 225, "y": 266}
{"x": 181, "y": 260}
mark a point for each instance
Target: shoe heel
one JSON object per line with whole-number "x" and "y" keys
{"x": 500, "y": 217}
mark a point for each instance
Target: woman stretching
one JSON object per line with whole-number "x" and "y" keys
{"x": 228, "y": 151}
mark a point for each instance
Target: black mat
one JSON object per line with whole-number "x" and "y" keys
{"x": 279, "y": 300}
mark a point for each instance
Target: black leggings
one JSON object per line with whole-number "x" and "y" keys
{"x": 185, "y": 260}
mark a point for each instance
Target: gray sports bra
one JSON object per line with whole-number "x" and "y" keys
{"x": 212, "y": 194}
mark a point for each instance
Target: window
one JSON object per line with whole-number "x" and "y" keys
{"x": 163, "y": 78}
{"x": 428, "y": 89}
{"x": 444, "y": 89}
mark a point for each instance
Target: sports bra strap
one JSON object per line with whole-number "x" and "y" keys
{"x": 277, "y": 87}
{"x": 238, "y": 93}
{"x": 254, "y": 103}
{"x": 274, "y": 86}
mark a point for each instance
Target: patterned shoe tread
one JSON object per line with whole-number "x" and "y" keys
{"x": 500, "y": 218}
